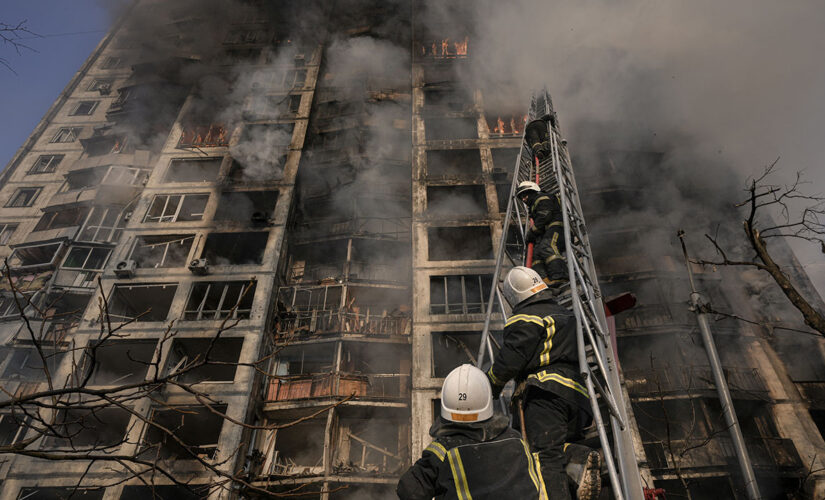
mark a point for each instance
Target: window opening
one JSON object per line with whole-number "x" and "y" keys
{"x": 193, "y": 170}
{"x": 453, "y": 162}
{"x": 144, "y": 302}
{"x": 214, "y": 135}
{"x": 241, "y": 206}
{"x": 118, "y": 362}
{"x": 84, "y": 108}
{"x": 104, "y": 224}
{"x": 459, "y": 294}
{"x": 162, "y": 251}
{"x": 220, "y": 367}
{"x": 176, "y": 208}
{"x": 215, "y": 300}
{"x": 67, "y": 134}
{"x": 456, "y": 201}
{"x": 46, "y": 163}
{"x": 459, "y": 243}
{"x": 235, "y": 248}
{"x": 198, "y": 428}
{"x": 6, "y": 230}
{"x": 24, "y": 197}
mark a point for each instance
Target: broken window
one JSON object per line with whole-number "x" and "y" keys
{"x": 34, "y": 255}
{"x": 6, "y": 230}
{"x": 176, "y": 207}
{"x": 195, "y": 426}
{"x": 216, "y": 300}
{"x": 24, "y": 197}
{"x": 87, "y": 429}
{"x": 83, "y": 179}
{"x": 220, "y": 365}
{"x": 451, "y": 349}
{"x": 448, "y": 129}
{"x": 297, "y": 449}
{"x": 9, "y": 307}
{"x": 459, "y": 294}
{"x": 61, "y": 493}
{"x": 456, "y": 201}
{"x": 168, "y": 250}
{"x": 441, "y": 99}
{"x": 445, "y": 48}
{"x": 64, "y": 217}
{"x": 453, "y": 162}
{"x": 505, "y": 125}
{"x": 45, "y": 164}
{"x": 124, "y": 176}
{"x": 104, "y": 224}
{"x": 119, "y": 362}
{"x": 374, "y": 370}
{"x": 26, "y": 364}
{"x": 100, "y": 144}
{"x": 194, "y": 170}
{"x": 203, "y": 136}
{"x": 245, "y": 206}
{"x": 367, "y": 442}
{"x": 269, "y": 107}
{"x": 144, "y": 302}
{"x": 12, "y": 428}
{"x": 82, "y": 266}
{"x": 84, "y": 108}
{"x": 102, "y": 85}
{"x": 235, "y": 248}
{"x": 67, "y": 134}
{"x": 459, "y": 243}
{"x": 254, "y": 171}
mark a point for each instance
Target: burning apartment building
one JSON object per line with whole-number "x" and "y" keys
{"x": 249, "y": 240}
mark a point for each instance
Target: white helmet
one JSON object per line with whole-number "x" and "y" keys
{"x": 520, "y": 284}
{"x": 527, "y": 186}
{"x": 466, "y": 395}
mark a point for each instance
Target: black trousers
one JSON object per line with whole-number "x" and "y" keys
{"x": 548, "y": 255}
{"x": 550, "y": 421}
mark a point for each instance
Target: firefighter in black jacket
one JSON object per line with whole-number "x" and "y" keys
{"x": 540, "y": 352}
{"x": 546, "y": 233}
{"x": 474, "y": 454}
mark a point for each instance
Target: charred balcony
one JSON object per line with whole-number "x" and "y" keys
{"x": 447, "y": 98}
{"x": 744, "y": 383}
{"x": 350, "y": 260}
{"x": 313, "y": 312}
{"x": 330, "y": 177}
{"x": 361, "y": 215}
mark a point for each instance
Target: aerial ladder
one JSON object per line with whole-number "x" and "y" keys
{"x": 549, "y": 166}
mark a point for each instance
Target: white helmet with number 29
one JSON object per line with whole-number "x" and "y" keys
{"x": 466, "y": 395}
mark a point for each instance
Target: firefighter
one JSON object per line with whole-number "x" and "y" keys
{"x": 546, "y": 232}
{"x": 540, "y": 352}
{"x": 474, "y": 454}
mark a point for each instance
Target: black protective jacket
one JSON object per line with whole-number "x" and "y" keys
{"x": 545, "y": 210}
{"x": 484, "y": 460}
{"x": 540, "y": 349}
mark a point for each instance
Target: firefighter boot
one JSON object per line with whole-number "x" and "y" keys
{"x": 590, "y": 483}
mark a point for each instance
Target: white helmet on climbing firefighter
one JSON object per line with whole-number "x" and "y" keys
{"x": 466, "y": 395}
{"x": 527, "y": 186}
{"x": 520, "y": 284}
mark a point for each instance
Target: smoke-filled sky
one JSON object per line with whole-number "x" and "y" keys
{"x": 739, "y": 83}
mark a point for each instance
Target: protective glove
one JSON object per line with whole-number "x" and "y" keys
{"x": 531, "y": 236}
{"x": 496, "y": 389}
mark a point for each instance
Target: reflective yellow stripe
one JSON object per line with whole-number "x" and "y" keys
{"x": 524, "y": 317}
{"x": 493, "y": 378}
{"x": 550, "y": 328}
{"x": 530, "y": 466}
{"x": 555, "y": 377}
{"x": 459, "y": 477}
{"x": 542, "y": 486}
{"x": 536, "y": 203}
{"x": 437, "y": 449}
{"x": 557, "y": 223}
{"x": 554, "y": 244}
{"x": 565, "y": 446}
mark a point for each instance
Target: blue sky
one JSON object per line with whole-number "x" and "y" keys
{"x": 71, "y": 29}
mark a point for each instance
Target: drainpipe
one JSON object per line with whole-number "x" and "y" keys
{"x": 700, "y": 306}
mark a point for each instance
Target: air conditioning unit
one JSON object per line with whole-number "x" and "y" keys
{"x": 260, "y": 218}
{"x": 199, "y": 267}
{"x": 125, "y": 268}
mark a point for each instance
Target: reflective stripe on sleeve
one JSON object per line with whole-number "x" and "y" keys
{"x": 437, "y": 449}
{"x": 529, "y": 318}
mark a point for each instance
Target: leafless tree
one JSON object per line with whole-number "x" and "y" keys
{"x": 777, "y": 211}
{"x": 65, "y": 422}
{"x": 12, "y": 36}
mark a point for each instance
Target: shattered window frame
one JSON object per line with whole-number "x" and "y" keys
{"x": 7, "y": 229}
{"x": 120, "y": 175}
{"x": 104, "y": 224}
{"x": 118, "y": 298}
{"x": 46, "y": 164}
{"x": 100, "y": 83}
{"x": 447, "y": 283}
{"x": 84, "y": 108}
{"x": 59, "y": 219}
{"x": 8, "y": 307}
{"x": 95, "y": 258}
{"x": 11, "y": 434}
{"x": 167, "y": 215}
{"x": 24, "y": 197}
{"x": 210, "y": 300}
{"x": 167, "y": 257}
{"x": 26, "y": 357}
{"x": 23, "y": 250}
{"x": 66, "y": 135}
{"x": 187, "y": 169}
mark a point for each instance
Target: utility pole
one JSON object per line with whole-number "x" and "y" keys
{"x": 700, "y": 306}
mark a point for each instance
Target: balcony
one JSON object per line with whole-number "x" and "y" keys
{"x": 303, "y": 325}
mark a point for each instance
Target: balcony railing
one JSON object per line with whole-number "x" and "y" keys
{"x": 692, "y": 378}
{"x": 394, "y": 228}
{"x": 327, "y": 322}
{"x": 338, "y": 384}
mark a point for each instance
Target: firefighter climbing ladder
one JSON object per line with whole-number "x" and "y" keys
{"x": 552, "y": 171}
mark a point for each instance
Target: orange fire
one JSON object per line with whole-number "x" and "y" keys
{"x": 445, "y": 48}
{"x": 511, "y": 126}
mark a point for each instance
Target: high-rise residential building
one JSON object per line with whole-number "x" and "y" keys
{"x": 311, "y": 194}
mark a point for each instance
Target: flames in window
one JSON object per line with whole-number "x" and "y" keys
{"x": 445, "y": 48}
{"x": 506, "y": 125}
{"x": 203, "y": 136}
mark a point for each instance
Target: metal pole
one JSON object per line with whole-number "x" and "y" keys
{"x": 699, "y": 306}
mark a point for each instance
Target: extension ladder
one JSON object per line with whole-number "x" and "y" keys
{"x": 597, "y": 362}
